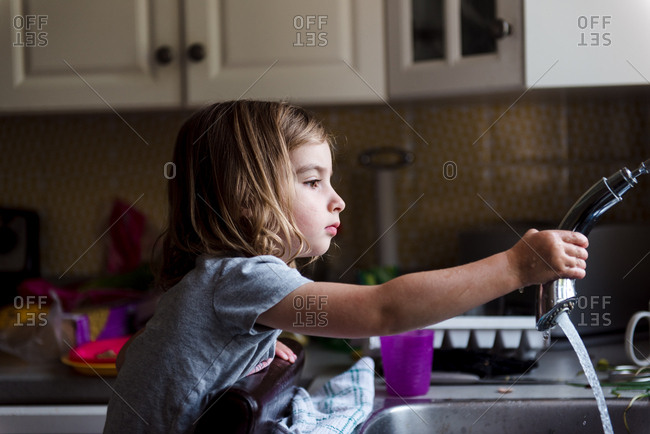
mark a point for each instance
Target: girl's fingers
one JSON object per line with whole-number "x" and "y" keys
{"x": 576, "y": 263}
{"x": 289, "y": 357}
{"x": 284, "y": 352}
{"x": 575, "y": 238}
{"x": 581, "y": 254}
{"x": 578, "y": 273}
{"x": 576, "y": 253}
{"x": 577, "y": 260}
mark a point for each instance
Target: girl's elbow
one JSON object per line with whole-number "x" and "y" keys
{"x": 386, "y": 318}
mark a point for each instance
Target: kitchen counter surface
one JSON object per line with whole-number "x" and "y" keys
{"x": 54, "y": 398}
{"x": 558, "y": 375}
{"x": 25, "y": 383}
{"x": 51, "y": 383}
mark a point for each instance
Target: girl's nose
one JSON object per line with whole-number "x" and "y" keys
{"x": 337, "y": 203}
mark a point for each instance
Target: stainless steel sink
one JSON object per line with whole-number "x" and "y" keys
{"x": 503, "y": 417}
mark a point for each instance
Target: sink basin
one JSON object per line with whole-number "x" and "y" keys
{"x": 523, "y": 416}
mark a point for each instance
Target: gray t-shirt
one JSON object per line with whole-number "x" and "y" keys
{"x": 202, "y": 338}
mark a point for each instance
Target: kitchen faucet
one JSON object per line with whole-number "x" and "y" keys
{"x": 560, "y": 295}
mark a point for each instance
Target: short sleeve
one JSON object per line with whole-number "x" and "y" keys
{"x": 248, "y": 287}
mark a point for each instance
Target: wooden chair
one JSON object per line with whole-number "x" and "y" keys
{"x": 254, "y": 403}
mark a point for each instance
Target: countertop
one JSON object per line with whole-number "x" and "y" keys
{"x": 54, "y": 398}
{"x": 24, "y": 383}
{"x": 557, "y": 375}
{"x": 48, "y": 384}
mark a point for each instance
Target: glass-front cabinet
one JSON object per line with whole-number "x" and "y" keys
{"x": 454, "y": 47}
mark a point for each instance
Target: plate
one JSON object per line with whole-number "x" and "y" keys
{"x": 102, "y": 351}
{"x": 101, "y": 369}
{"x": 97, "y": 357}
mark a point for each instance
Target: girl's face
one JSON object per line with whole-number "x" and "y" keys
{"x": 316, "y": 206}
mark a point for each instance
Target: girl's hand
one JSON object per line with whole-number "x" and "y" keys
{"x": 284, "y": 352}
{"x": 540, "y": 257}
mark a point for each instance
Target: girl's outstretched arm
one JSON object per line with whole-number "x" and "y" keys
{"x": 420, "y": 299}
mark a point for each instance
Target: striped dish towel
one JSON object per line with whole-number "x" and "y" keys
{"x": 338, "y": 407}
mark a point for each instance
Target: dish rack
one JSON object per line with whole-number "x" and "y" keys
{"x": 512, "y": 336}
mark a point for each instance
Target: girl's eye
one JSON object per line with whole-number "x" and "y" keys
{"x": 313, "y": 183}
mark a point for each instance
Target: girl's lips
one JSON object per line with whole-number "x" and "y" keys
{"x": 333, "y": 229}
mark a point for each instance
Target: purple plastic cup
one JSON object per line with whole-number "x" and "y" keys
{"x": 407, "y": 359}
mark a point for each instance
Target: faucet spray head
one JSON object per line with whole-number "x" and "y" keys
{"x": 560, "y": 295}
{"x": 553, "y": 298}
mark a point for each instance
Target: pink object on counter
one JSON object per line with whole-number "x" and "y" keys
{"x": 117, "y": 324}
{"x": 102, "y": 351}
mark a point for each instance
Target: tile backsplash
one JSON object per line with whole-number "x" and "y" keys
{"x": 476, "y": 163}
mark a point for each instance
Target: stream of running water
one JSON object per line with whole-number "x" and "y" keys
{"x": 579, "y": 347}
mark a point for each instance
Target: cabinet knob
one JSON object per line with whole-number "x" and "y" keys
{"x": 164, "y": 55}
{"x": 196, "y": 52}
{"x": 500, "y": 28}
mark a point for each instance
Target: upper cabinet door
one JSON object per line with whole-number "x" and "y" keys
{"x": 454, "y": 47}
{"x": 587, "y": 43}
{"x": 73, "y": 54}
{"x": 306, "y": 51}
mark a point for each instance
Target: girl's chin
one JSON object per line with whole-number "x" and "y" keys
{"x": 314, "y": 252}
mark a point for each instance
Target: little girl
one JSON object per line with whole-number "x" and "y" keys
{"x": 252, "y": 193}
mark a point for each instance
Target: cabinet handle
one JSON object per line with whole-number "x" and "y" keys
{"x": 164, "y": 55}
{"x": 196, "y": 52}
{"x": 386, "y": 158}
{"x": 500, "y": 28}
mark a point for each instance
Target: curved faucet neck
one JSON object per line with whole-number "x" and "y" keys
{"x": 558, "y": 296}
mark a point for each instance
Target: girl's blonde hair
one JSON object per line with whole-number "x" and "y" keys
{"x": 233, "y": 185}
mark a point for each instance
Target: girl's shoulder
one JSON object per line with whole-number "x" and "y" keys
{"x": 241, "y": 266}
{"x": 239, "y": 275}
{"x": 234, "y": 259}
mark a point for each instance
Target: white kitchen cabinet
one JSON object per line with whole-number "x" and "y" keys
{"x": 70, "y": 54}
{"x": 83, "y": 54}
{"x": 453, "y": 47}
{"x": 310, "y": 51}
{"x": 587, "y": 43}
